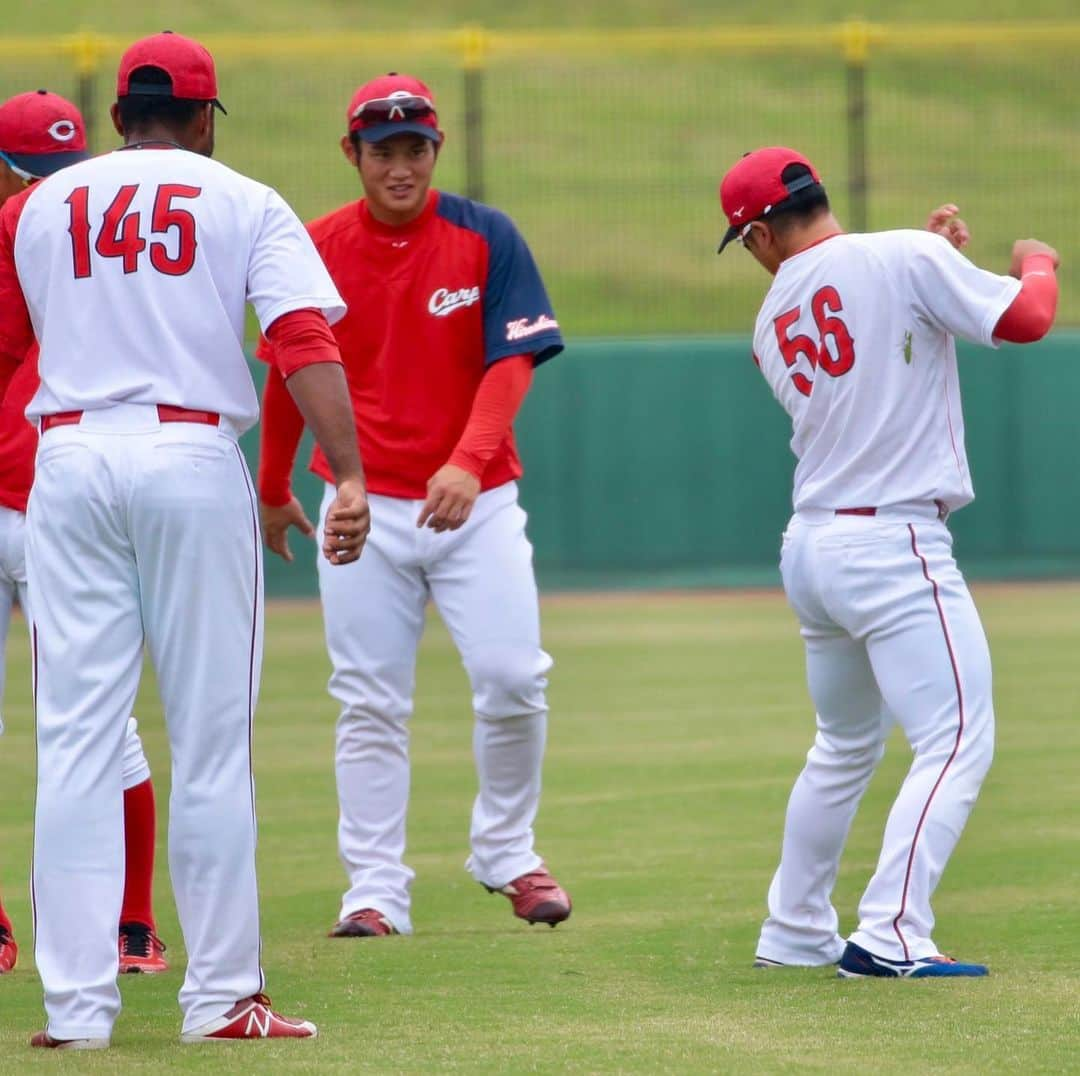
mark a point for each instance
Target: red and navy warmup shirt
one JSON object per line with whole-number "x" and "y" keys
{"x": 431, "y": 305}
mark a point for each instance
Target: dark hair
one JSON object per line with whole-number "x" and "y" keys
{"x": 140, "y": 110}
{"x": 803, "y": 206}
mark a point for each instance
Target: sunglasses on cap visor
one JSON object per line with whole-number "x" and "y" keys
{"x": 390, "y": 109}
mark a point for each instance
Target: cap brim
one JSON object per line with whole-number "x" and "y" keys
{"x": 388, "y": 130}
{"x": 219, "y": 106}
{"x": 731, "y": 233}
{"x": 41, "y": 165}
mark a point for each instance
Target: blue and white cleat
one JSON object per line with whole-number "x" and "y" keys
{"x": 857, "y": 963}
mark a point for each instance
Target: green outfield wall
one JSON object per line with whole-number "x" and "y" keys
{"x": 665, "y": 462}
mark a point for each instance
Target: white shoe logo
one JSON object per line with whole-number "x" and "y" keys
{"x": 260, "y": 1027}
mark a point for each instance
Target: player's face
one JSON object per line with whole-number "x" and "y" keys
{"x": 10, "y": 182}
{"x": 396, "y": 174}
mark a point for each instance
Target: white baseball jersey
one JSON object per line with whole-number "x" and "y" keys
{"x": 182, "y": 243}
{"x": 855, "y": 337}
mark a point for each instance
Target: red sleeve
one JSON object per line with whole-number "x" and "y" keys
{"x": 263, "y": 350}
{"x": 297, "y": 339}
{"x": 279, "y": 437}
{"x": 9, "y": 365}
{"x": 1031, "y": 314}
{"x": 497, "y": 400}
{"x": 16, "y": 332}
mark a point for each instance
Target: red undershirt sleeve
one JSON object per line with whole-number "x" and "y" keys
{"x": 293, "y": 341}
{"x": 279, "y": 438}
{"x": 16, "y": 332}
{"x": 1031, "y": 314}
{"x": 301, "y": 338}
{"x": 497, "y": 400}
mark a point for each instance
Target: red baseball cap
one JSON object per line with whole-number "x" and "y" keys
{"x": 753, "y": 189}
{"x": 393, "y": 104}
{"x": 40, "y": 133}
{"x": 189, "y": 66}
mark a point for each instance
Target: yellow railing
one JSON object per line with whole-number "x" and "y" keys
{"x": 854, "y": 39}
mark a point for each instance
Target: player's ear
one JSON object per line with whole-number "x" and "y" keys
{"x": 114, "y": 112}
{"x": 203, "y": 130}
{"x": 348, "y": 147}
{"x": 764, "y": 236}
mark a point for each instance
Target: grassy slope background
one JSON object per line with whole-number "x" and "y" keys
{"x": 609, "y": 161}
{"x": 207, "y": 16}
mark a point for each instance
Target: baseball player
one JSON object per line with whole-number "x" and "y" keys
{"x": 448, "y": 318}
{"x": 856, "y": 339}
{"x": 40, "y": 133}
{"x": 132, "y": 270}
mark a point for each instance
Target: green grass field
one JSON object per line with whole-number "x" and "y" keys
{"x": 678, "y": 724}
{"x": 609, "y": 159}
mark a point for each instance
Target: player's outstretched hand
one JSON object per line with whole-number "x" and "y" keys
{"x": 1024, "y": 248}
{"x": 944, "y": 221}
{"x": 276, "y": 521}
{"x": 348, "y": 521}
{"x": 451, "y": 494}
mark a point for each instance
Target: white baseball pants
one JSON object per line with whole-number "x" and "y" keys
{"x": 13, "y": 588}
{"x": 481, "y": 580}
{"x": 891, "y": 633}
{"x": 141, "y": 532}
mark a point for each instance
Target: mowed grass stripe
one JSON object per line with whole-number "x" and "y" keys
{"x": 672, "y": 752}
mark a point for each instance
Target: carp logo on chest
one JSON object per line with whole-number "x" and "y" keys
{"x": 443, "y": 301}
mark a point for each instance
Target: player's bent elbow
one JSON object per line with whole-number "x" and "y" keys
{"x": 1027, "y": 326}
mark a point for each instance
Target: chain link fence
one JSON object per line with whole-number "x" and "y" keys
{"x": 607, "y": 148}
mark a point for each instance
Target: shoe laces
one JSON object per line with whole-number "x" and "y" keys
{"x": 539, "y": 879}
{"x": 5, "y": 936}
{"x": 369, "y": 915}
{"x": 139, "y": 940}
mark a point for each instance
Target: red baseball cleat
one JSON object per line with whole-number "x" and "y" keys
{"x": 537, "y": 898}
{"x": 9, "y": 951}
{"x": 251, "y": 1018}
{"x": 44, "y": 1039}
{"x": 140, "y": 950}
{"x": 366, "y": 923}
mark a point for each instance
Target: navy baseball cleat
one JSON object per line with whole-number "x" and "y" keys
{"x": 857, "y": 963}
